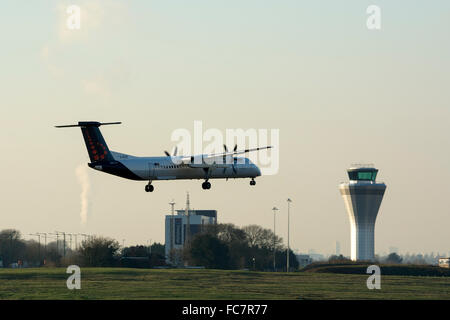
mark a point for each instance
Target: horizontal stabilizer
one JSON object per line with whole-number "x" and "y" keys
{"x": 87, "y": 124}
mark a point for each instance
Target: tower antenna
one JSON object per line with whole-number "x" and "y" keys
{"x": 172, "y": 236}
{"x": 188, "y": 222}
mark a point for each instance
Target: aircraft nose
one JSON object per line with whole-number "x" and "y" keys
{"x": 258, "y": 172}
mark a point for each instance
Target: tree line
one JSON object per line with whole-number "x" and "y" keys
{"x": 219, "y": 246}
{"x": 395, "y": 259}
{"x": 96, "y": 251}
{"x": 226, "y": 246}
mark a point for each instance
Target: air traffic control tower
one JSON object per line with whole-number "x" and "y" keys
{"x": 362, "y": 197}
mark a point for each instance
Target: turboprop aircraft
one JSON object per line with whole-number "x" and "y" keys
{"x": 223, "y": 165}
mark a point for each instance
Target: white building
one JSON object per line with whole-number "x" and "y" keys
{"x": 444, "y": 262}
{"x": 362, "y": 197}
{"x": 303, "y": 260}
{"x": 338, "y": 248}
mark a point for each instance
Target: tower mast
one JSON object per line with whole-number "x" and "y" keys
{"x": 188, "y": 222}
{"x": 172, "y": 236}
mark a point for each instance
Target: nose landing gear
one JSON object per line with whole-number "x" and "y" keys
{"x": 252, "y": 182}
{"x": 206, "y": 185}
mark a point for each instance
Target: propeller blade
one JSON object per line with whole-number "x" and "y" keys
{"x": 235, "y": 148}
{"x": 167, "y": 154}
{"x": 225, "y": 148}
{"x": 175, "y": 151}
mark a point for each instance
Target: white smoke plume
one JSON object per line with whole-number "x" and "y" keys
{"x": 83, "y": 178}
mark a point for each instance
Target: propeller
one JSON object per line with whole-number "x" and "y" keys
{"x": 234, "y": 159}
{"x": 226, "y": 149}
{"x": 174, "y": 152}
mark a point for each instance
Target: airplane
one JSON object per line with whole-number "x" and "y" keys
{"x": 223, "y": 165}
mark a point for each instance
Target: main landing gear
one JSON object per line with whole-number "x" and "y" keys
{"x": 149, "y": 187}
{"x": 252, "y": 182}
{"x": 206, "y": 185}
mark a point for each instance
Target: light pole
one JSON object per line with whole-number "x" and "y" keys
{"x": 45, "y": 240}
{"x": 288, "y": 249}
{"x": 64, "y": 242}
{"x": 45, "y": 243}
{"x": 275, "y": 209}
{"x": 70, "y": 241}
{"x": 39, "y": 250}
{"x": 57, "y": 241}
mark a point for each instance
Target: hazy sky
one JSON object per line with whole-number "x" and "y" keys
{"x": 338, "y": 92}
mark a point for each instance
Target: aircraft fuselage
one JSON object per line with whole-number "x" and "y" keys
{"x": 164, "y": 168}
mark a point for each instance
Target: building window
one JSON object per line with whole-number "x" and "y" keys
{"x": 177, "y": 231}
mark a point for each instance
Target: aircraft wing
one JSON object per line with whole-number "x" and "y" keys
{"x": 236, "y": 152}
{"x": 218, "y": 160}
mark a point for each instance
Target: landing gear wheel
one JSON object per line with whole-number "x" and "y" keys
{"x": 206, "y": 185}
{"x": 149, "y": 188}
{"x": 253, "y": 182}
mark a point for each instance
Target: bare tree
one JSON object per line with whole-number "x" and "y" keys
{"x": 260, "y": 237}
{"x": 12, "y": 247}
{"x": 99, "y": 252}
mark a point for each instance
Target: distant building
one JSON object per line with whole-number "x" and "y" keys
{"x": 393, "y": 250}
{"x": 317, "y": 257}
{"x": 183, "y": 225}
{"x": 444, "y": 262}
{"x": 338, "y": 248}
{"x": 303, "y": 260}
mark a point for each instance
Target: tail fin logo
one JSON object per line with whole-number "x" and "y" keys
{"x": 96, "y": 145}
{"x": 97, "y": 151}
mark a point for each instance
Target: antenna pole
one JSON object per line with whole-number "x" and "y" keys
{"x": 288, "y": 248}
{"x": 188, "y": 226}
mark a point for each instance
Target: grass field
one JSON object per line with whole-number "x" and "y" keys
{"x": 115, "y": 283}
